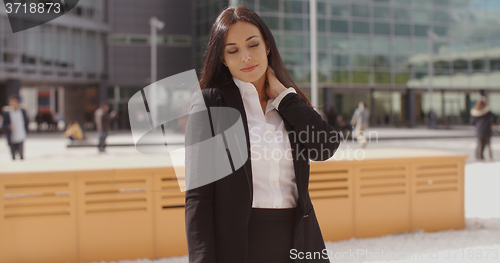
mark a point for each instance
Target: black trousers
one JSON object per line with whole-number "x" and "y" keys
{"x": 16, "y": 147}
{"x": 270, "y": 235}
{"x": 481, "y": 145}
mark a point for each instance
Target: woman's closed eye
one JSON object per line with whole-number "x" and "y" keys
{"x": 232, "y": 52}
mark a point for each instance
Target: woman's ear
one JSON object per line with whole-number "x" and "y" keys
{"x": 268, "y": 48}
{"x": 223, "y": 62}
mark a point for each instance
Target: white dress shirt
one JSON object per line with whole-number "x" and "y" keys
{"x": 274, "y": 184}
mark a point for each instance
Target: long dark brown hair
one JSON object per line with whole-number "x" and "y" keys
{"x": 215, "y": 74}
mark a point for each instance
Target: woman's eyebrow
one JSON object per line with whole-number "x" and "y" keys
{"x": 245, "y": 40}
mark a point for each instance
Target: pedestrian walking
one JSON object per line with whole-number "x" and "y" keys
{"x": 15, "y": 125}
{"x": 483, "y": 119}
{"x": 102, "y": 119}
{"x": 361, "y": 118}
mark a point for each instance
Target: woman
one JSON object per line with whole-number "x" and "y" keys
{"x": 262, "y": 211}
{"x": 481, "y": 118}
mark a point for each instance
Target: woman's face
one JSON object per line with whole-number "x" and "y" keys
{"x": 245, "y": 52}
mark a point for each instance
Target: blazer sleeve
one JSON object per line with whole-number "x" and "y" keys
{"x": 199, "y": 202}
{"x": 317, "y": 134}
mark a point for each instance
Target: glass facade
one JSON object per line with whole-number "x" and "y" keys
{"x": 383, "y": 44}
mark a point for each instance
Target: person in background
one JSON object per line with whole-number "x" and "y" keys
{"x": 432, "y": 119}
{"x": 360, "y": 118}
{"x": 74, "y": 132}
{"x": 482, "y": 119}
{"x": 102, "y": 119}
{"x": 15, "y": 125}
{"x": 343, "y": 126}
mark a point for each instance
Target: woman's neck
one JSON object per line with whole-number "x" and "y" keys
{"x": 260, "y": 85}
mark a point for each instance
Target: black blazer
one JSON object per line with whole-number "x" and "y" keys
{"x": 6, "y": 123}
{"x": 217, "y": 214}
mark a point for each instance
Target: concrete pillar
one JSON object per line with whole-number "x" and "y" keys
{"x": 468, "y": 107}
{"x": 411, "y": 105}
{"x": 74, "y": 105}
{"x": 328, "y": 99}
{"x": 372, "y": 107}
{"x": 443, "y": 105}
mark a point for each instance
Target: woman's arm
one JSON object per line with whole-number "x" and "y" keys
{"x": 199, "y": 216}
{"x": 310, "y": 130}
{"x": 199, "y": 202}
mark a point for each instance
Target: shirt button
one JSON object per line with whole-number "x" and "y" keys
{"x": 274, "y": 158}
{"x": 274, "y": 183}
{"x": 277, "y": 206}
{"x": 271, "y": 135}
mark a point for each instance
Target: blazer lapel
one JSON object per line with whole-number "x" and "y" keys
{"x": 232, "y": 97}
{"x": 296, "y": 164}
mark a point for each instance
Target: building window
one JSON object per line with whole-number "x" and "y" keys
{"x": 292, "y": 7}
{"x": 381, "y": 61}
{"x": 381, "y": 44}
{"x": 402, "y": 14}
{"x": 339, "y": 44}
{"x": 421, "y": 30}
{"x": 361, "y": 60}
{"x": 269, "y": 6}
{"x": 495, "y": 65}
{"x": 382, "y": 28}
{"x": 272, "y": 22}
{"x": 421, "y": 15}
{"x": 360, "y": 27}
{"x": 340, "y": 60}
{"x": 339, "y": 9}
{"x": 293, "y": 41}
{"x": 360, "y": 10}
{"x": 340, "y": 26}
{"x": 138, "y": 39}
{"x": 460, "y": 66}
{"x": 479, "y": 65}
{"x": 360, "y": 44}
{"x": 382, "y": 12}
{"x": 402, "y": 30}
{"x": 293, "y": 23}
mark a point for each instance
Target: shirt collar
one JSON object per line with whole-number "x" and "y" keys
{"x": 244, "y": 87}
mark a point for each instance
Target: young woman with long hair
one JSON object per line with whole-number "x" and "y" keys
{"x": 262, "y": 211}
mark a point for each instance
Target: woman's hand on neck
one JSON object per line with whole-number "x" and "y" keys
{"x": 268, "y": 86}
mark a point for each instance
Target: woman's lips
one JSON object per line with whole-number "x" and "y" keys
{"x": 249, "y": 69}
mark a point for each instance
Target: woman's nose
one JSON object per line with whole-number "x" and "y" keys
{"x": 245, "y": 56}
